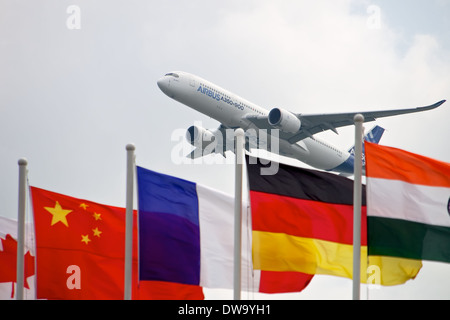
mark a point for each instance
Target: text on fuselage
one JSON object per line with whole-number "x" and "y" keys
{"x": 219, "y": 97}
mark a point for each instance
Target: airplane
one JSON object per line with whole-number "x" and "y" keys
{"x": 295, "y": 131}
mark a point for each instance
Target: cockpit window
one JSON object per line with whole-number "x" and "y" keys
{"x": 172, "y": 75}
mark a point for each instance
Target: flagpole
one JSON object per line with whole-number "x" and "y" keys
{"x": 239, "y": 140}
{"x": 129, "y": 221}
{"x": 357, "y": 195}
{"x": 21, "y": 227}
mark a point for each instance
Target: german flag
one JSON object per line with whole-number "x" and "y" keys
{"x": 302, "y": 221}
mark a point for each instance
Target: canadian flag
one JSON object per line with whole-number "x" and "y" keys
{"x": 8, "y": 261}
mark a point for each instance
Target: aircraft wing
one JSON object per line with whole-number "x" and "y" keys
{"x": 315, "y": 123}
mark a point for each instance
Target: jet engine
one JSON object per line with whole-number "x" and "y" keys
{"x": 198, "y": 136}
{"x": 284, "y": 120}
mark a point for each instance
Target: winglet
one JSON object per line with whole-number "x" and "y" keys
{"x": 437, "y": 104}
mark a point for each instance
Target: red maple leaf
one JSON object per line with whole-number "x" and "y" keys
{"x": 8, "y": 262}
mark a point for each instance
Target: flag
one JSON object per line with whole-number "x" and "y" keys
{"x": 8, "y": 261}
{"x": 186, "y": 236}
{"x": 79, "y": 247}
{"x": 303, "y": 221}
{"x": 409, "y": 207}
{"x": 80, "y": 250}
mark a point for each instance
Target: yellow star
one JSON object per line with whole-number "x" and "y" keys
{"x": 85, "y": 239}
{"x": 97, "y": 232}
{"x": 97, "y": 216}
{"x": 84, "y": 206}
{"x": 59, "y": 214}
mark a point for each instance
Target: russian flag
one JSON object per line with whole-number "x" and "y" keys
{"x": 186, "y": 237}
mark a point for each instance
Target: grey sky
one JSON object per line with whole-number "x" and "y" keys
{"x": 70, "y": 100}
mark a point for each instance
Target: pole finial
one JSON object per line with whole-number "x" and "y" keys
{"x": 358, "y": 117}
{"x": 239, "y": 132}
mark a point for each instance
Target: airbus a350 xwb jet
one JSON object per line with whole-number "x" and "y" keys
{"x": 296, "y": 131}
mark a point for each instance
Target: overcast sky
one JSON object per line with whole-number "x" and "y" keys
{"x": 74, "y": 92}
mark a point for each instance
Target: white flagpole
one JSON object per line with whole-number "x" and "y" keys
{"x": 239, "y": 140}
{"x": 357, "y": 195}
{"x": 21, "y": 227}
{"x": 129, "y": 221}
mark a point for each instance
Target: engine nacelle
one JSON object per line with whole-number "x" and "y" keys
{"x": 284, "y": 120}
{"x": 199, "y": 136}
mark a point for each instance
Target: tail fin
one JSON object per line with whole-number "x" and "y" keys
{"x": 374, "y": 136}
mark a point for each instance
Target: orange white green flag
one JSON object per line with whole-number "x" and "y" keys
{"x": 408, "y": 218}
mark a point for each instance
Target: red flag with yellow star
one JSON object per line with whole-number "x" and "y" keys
{"x": 80, "y": 250}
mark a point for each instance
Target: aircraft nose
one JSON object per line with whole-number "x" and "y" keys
{"x": 163, "y": 84}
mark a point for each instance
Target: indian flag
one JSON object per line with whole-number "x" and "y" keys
{"x": 408, "y": 211}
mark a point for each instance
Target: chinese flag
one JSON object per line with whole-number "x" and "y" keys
{"x": 80, "y": 250}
